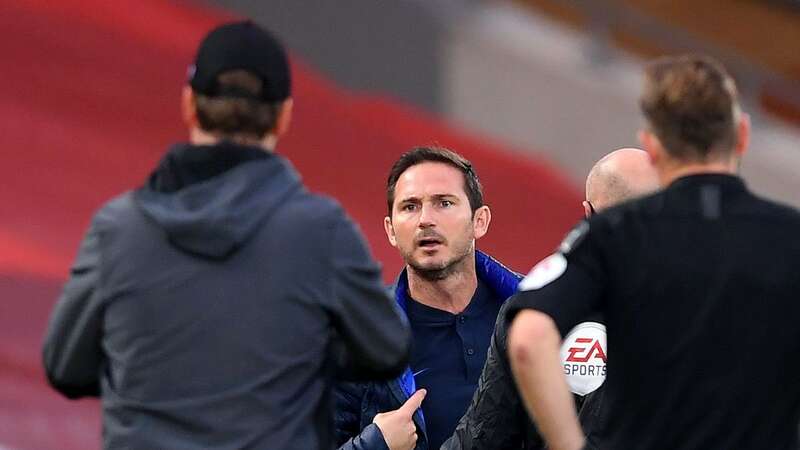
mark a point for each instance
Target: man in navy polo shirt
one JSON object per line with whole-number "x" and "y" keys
{"x": 450, "y": 293}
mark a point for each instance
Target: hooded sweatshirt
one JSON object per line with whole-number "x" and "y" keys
{"x": 210, "y": 308}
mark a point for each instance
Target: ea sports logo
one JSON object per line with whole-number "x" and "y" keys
{"x": 593, "y": 349}
{"x": 583, "y": 354}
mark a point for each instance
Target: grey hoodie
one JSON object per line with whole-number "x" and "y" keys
{"x": 211, "y": 307}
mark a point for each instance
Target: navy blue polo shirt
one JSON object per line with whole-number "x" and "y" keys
{"x": 447, "y": 358}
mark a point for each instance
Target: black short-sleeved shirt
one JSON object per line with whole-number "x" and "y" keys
{"x": 700, "y": 289}
{"x": 447, "y": 356}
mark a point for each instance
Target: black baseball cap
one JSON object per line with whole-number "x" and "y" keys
{"x": 246, "y": 46}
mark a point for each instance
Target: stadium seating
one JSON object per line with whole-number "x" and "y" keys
{"x": 90, "y": 101}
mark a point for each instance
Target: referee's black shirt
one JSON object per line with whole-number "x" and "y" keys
{"x": 700, "y": 288}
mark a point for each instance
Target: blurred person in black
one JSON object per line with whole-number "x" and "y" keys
{"x": 496, "y": 418}
{"x": 204, "y": 306}
{"x": 697, "y": 285}
{"x": 451, "y": 294}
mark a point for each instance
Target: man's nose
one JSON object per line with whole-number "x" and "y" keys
{"x": 427, "y": 217}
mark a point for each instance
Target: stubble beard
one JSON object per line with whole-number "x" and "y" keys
{"x": 447, "y": 269}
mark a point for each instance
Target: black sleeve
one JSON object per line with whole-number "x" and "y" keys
{"x": 348, "y": 397}
{"x": 593, "y": 418}
{"x": 72, "y": 350}
{"x": 496, "y": 418}
{"x": 370, "y": 438}
{"x": 347, "y": 419}
{"x": 568, "y": 285}
{"x": 375, "y": 336}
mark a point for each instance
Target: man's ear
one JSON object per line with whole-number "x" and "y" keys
{"x": 389, "y": 228}
{"x": 587, "y": 210}
{"x": 480, "y": 221}
{"x": 283, "y": 118}
{"x": 651, "y": 145}
{"x": 743, "y": 135}
{"x": 189, "y": 107}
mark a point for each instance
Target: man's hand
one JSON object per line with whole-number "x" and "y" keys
{"x": 397, "y": 426}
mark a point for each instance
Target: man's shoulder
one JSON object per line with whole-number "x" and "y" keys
{"x": 311, "y": 209}
{"x": 501, "y": 325}
{"x": 502, "y": 280}
{"x": 773, "y": 210}
{"x": 634, "y": 210}
{"x": 622, "y": 221}
{"x": 659, "y": 204}
{"x": 116, "y": 210}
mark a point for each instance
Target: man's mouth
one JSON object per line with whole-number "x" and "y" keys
{"x": 429, "y": 242}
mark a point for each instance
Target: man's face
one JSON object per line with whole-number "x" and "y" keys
{"x": 432, "y": 224}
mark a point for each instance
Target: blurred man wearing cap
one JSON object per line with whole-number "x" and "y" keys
{"x": 697, "y": 284}
{"x": 202, "y": 307}
{"x": 496, "y": 418}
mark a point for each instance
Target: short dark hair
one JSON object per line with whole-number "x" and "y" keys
{"x": 239, "y": 112}
{"x": 690, "y": 103}
{"x": 419, "y": 155}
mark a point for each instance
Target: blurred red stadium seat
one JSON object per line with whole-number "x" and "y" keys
{"x": 90, "y": 101}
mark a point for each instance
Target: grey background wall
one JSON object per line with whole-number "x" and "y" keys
{"x": 493, "y": 69}
{"x": 385, "y": 46}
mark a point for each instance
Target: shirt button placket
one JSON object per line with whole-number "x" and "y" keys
{"x": 469, "y": 351}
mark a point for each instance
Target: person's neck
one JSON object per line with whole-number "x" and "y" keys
{"x": 198, "y": 136}
{"x": 451, "y": 294}
{"x": 674, "y": 170}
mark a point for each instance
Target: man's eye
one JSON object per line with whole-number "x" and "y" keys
{"x": 409, "y": 207}
{"x": 447, "y": 203}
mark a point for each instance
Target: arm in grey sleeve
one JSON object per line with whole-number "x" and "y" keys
{"x": 376, "y": 338}
{"x": 72, "y": 353}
